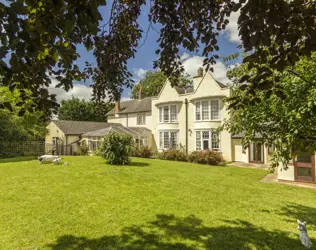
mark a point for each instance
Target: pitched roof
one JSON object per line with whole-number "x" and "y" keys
{"x": 79, "y": 127}
{"x": 242, "y": 135}
{"x": 133, "y": 106}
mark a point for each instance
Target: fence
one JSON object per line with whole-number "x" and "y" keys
{"x": 32, "y": 148}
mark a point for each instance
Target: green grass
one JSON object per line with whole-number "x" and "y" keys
{"x": 151, "y": 204}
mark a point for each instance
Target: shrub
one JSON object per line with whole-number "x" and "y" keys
{"x": 172, "y": 154}
{"x": 116, "y": 148}
{"x": 206, "y": 157}
{"x": 82, "y": 150}
{"x": 143, "y": 151}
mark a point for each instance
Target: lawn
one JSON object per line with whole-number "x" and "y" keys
{"x": 151, "y": 204}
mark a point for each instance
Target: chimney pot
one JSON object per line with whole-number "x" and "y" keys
{"x": 117, "y": 106}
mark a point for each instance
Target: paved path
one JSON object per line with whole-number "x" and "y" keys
{"x": 249, "y": 165}
{"x": 273, "y": 178}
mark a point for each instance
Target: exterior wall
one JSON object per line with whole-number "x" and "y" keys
{"x": 288, "y": 174}
{"x": 118, "y": 118}
{"x": 130, "y": 120}
{"x": 207, "y": 88}
{"x": 237, "y": 154}
{"x": 54, "y": 131}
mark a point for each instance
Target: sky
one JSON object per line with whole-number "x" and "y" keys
{"x": 143, "y": 61}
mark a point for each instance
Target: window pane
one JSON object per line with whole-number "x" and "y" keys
{"x": 173, "y": 113}
{"x": 160, "y": 114}
{"x": 198, "y": 140}
{"x": 205, "y": 111}
{"x": 166, "y": 140}
{"x": 305, "y": 172}
{"x": 173, "y": 139}
{"x": 206, "y": 144}
{"x": 214, "y": 110}
{"x": 198, "y": 111}
{"x": 166, "y": 113}
{"x": 144, "y": 119}
{"x": 206, "y": 135}
{"x": 215, "y": 141}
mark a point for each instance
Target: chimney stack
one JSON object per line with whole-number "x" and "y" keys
{"x": 117, "y": 105}
{"x": 200, "y": 72}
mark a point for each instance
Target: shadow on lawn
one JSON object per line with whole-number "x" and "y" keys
{"x": 137, "y": 164}
{"x": 171, "y": 232}
{"x": 293, "y": 212}
{"x": 18, "y": 159}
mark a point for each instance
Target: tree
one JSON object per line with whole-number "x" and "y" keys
{"x": 32, "y": 126}
{"x": 284, "y": 116}
{"x": 80, "y": 110}
{"x": 153, "y": 82}
{"x": 39, "y": 40}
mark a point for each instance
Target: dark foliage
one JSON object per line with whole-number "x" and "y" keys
{"x": 40, "y": 37}
{"x": 82, "y": 150}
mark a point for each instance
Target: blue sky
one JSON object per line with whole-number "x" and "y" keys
{"x": 145, "y": 56}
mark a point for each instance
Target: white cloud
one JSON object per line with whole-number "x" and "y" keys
{"x": 192, "y": 64}
{"x": 79, "y": 90}
{"x": 184, "y": 56}
{"x": 231, "y": 31}
{"x": 140, "y": 73}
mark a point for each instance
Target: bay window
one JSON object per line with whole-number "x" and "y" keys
{"x": 207, "y": 139}
{"x": 168, "y": 114}
{"x": 207, "y": 110}
{"x": 168, "y": 139}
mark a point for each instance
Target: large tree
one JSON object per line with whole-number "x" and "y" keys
{"x": 284, "y": 115}
{"x": 80, "y": 110}
{"x": 39, "y": 39}
{"x": 153, "y": 82}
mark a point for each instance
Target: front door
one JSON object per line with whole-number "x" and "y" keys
{"x": 256, "y": 152}
{"x": 304, "y": 167}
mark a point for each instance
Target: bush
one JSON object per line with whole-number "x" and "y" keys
{"x": 82, "y": 150}
{"x": 143, "y": 151}
{"x": 172, "y": 154}
{"x": 206, "y": 157}
{"x": 116, "y": 148}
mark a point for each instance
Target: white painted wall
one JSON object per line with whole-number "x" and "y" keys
{"x": 206, "y": 88}
{"x": 287, "y": 174}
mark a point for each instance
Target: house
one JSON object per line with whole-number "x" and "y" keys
{"x": 190, "y": 118}
{"x": 64, "y": 137}
{"x": 187, "y": 117}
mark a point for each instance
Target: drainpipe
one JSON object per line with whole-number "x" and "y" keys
{"x": 186, "y": 126}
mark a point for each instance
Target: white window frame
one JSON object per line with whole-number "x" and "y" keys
{"x": 209, "y": 110}
{"x": 210, "y": 142}
{"x": 141, "y": 119}
{"x": 161, "y": 136}
{"x": 161, "y": 114}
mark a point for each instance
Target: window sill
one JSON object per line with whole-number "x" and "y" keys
{"x": 168, "y": 122}
{"x": 208, "y": 121}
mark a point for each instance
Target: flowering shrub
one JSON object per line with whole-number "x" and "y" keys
{"x": 206, "y": 157}
{"x": 172, "y": 154}
{"x": 143, "y": 151}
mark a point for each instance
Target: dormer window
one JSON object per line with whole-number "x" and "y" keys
{"x": 168, "y": 113}
{"x": 208, "y": 110}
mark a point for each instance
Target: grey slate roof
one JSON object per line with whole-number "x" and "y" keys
{"x": 222, "y": 85}
{"x": 134, "y": 131}
{"x": 79, "y": 127}
{"x": 133, "y": 106}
